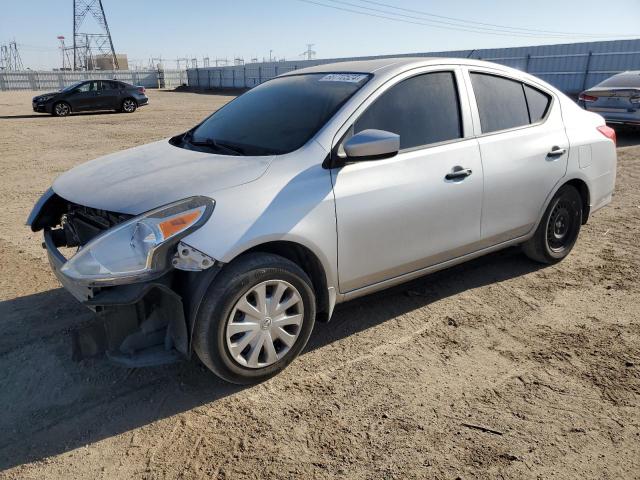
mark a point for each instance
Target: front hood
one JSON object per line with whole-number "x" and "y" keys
{"x": 136, "y": 180}
{"x": 50, "y": 94}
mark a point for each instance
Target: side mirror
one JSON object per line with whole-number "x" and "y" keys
{"x": 372, "y": 145}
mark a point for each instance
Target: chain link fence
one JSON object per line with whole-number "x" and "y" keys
{"x": 55, "y": 80}
{"x": 570, "y": 67}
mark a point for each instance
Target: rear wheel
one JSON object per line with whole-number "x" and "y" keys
{"x": 256, "y": 317}
{"x": 559, "y": 228}
{"x": 129, "y": 105}
{"x": 61, "y": 109}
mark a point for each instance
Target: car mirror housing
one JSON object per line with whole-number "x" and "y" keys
{"x": 372, "y": 145}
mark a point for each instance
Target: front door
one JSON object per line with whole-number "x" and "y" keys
{"x": 401, "y": 214}
{"x": 85, "y": 96}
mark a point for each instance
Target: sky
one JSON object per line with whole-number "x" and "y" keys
{"x": 170, "y": 29}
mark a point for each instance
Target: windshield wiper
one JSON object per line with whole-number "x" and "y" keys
{"x": 214, "y": 145}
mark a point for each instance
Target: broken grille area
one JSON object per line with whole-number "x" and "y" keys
{"x": 80, "y": 224}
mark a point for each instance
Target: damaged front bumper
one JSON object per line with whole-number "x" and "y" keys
{"x": 138, "y": 324}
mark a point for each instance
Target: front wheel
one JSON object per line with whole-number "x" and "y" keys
{"x": 61, "y": 109}
{"x": 559, "y": 228}
{"x": 255, "y": 318}
{"x": 129, "y": 105}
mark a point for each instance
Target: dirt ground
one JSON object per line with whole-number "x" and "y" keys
{"x": 494, "y": 369}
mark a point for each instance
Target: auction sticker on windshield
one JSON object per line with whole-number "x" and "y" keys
{"x": 343, "y": 77}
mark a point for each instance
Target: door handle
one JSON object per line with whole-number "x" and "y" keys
{"x": 458, "y": 173}
{"x": 556, "y": 151}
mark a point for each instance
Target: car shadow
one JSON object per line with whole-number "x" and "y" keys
{"x": 47, "y": 115}
{"x": 51, "y": 405}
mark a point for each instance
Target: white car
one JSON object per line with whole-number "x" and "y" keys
{"x": 314, "y": 188}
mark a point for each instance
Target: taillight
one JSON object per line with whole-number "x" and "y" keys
{"x": 141, "y": 89}
{"x": 587, "y": 98}
{"x": 608, "y": 132}
{"x": 635, "y": 99}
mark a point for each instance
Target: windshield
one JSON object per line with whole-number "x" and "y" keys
{"x": 278, "y": 116}
{"x": 622, "y": 80}
{"x": 71, "y": 87}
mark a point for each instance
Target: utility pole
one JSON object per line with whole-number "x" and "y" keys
{"x": 309, "y": 52}
{"x": 87, "y": 45}
{"x": 64, "y": 52}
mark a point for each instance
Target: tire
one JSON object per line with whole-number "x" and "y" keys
{"x": 129, "y": 105}
{"x": 61, "y": 109}
{"x": 558, "y": 229}
{"x": 218, "y": 340}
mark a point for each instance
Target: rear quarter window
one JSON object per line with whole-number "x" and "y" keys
{"x": 622, "y": 80}
{"x": 538, "y": 103}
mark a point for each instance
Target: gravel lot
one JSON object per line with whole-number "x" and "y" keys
{"x": 495, "y": 369}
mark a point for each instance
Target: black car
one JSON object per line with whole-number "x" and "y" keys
{"x": 91, "y": 95}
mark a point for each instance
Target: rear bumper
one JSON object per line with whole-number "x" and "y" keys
{"x": 618, "y": 116}
{"x": 136, "y": 325}
{"x": 142, "y": 100}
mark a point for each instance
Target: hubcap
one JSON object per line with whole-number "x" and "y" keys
{"x": 560, "y": 226}
{"x": 128, "y": 105}
{"x": 62, "y": 109}
{"x": 264, "y": 324}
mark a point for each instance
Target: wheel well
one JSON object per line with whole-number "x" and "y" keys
{"x": 309, "y": 262}
{"x": 583, "y": 190}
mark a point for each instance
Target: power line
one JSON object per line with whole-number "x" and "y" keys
{"x": 472, "y": 22}
{"x": 435, "y": 24}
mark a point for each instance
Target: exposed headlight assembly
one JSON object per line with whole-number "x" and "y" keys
{"x": 140, "y": 248}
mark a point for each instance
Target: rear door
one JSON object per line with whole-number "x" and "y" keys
{"x": 110, "y": 94}
{"x": 401, "y": 214}
{"x": 524, "y": 151}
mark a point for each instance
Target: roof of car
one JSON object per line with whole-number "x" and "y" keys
{"x": 365, "y": 66}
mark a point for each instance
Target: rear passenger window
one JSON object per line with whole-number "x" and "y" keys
{"x": 423, "y": 109}
{"x": 501, "y": 102}
{"x": 538, "y": 103}
{"x": 106, "y": 85}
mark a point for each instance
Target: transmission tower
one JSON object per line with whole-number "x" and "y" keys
{"x": 309, "y": 53}
{"x": 10, "y": 57}
{"x": 86, "y": 46}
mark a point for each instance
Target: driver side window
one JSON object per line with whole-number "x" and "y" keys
{"x": 423, "y": 110}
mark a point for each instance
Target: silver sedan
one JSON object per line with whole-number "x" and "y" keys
{"x": 322, "y": 185}
{"x": 617, "y": 99}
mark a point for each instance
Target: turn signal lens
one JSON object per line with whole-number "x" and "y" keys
{"x": 608, "y": 132}
{"x": 179, "y": 223}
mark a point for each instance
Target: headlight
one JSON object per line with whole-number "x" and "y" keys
{"x": 138, "y": 248}
{"x": 45, "y": 98}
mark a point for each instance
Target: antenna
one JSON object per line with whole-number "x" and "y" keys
{"x": 87, "y": 45}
